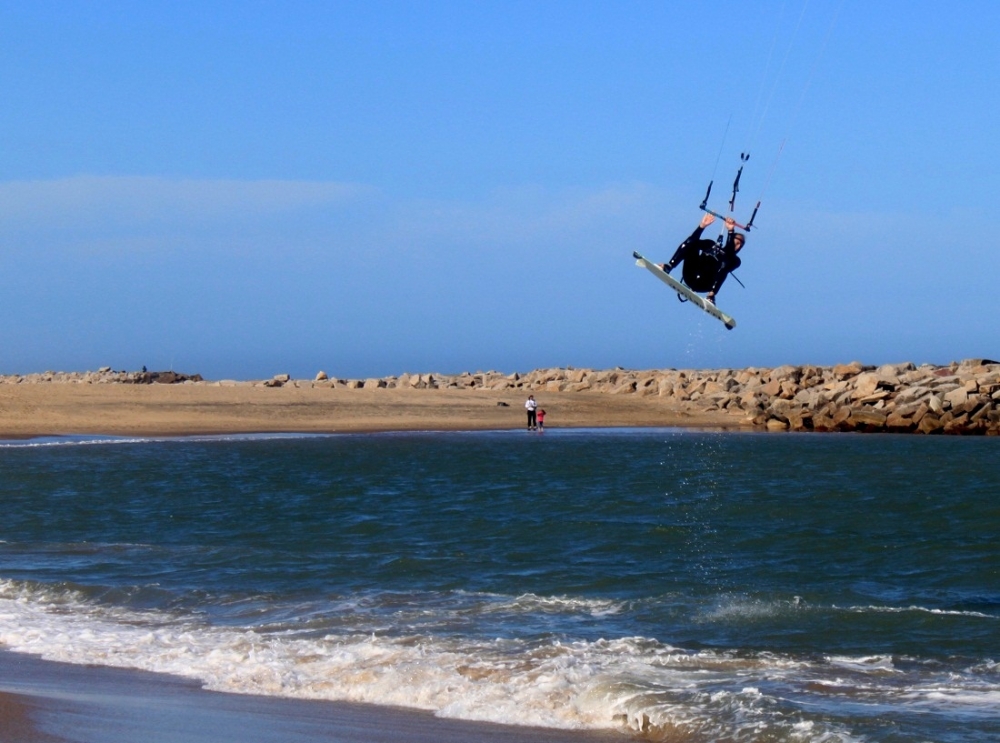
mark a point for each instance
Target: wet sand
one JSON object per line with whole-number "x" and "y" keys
{"x": 45, "y": 702}
{"x": 175, "y": 410}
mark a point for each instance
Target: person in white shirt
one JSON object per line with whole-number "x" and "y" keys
{"x": 530, "y": 405}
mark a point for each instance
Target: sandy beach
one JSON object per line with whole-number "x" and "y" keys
{"x": 53, "y": 409}
{"x": 958, "y": 398}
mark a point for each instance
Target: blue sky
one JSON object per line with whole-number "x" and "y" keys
{"x": 245, "y": 189}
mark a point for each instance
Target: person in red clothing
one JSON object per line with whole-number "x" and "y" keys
{"x": 541, "y": 418}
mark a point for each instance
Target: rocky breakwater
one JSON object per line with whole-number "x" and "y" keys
{"x": 959, "y": 398}
{"x": 104, "y": 375}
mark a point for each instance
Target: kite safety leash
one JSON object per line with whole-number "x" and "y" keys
{"x": 744, "y": 157}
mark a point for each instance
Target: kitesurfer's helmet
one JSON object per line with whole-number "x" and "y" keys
{"x": 740, "y": 239}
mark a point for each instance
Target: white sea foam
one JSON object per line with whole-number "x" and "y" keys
{"x": 921, "y": 610}
{"x": 636, "y": 683}
{"x": 96, "y": 440}
{"x": 751, "y": 609}
{"x": 531, "y": 603}
{"x": 968, "y": 703}
{"x": 866, "y": 663}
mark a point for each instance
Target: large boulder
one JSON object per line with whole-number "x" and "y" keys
{"x": 930, "y": 423}
{"x": 164, "y": 377}
{"x": 956, "y": 397}
{"x": 868, "y": 419}
{"x": 844, "y": 371}
{"x": 865, "y": 385}
{"x": 786, "y": 372}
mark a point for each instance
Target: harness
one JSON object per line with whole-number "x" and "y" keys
{"x": 702, "y": 266}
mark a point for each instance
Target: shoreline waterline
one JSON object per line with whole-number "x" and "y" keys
{"x": 35, "y": 410}
{"x": 43, "y": 701}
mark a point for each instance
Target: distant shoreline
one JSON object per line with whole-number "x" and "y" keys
{"x": 959, "y": 398}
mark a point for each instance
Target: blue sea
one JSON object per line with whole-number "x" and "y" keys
{"x": 674, "y": 585}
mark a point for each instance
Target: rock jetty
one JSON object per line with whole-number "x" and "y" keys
{"x": 959, "y": 398}
{"x": 104, "y": 375}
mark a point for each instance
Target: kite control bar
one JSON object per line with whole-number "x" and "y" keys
{"x": 747, "y": 227}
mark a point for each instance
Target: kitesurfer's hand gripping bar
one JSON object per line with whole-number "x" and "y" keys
{"x": 747, "y": 227}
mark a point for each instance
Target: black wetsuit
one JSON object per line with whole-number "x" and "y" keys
{"x": 706, "y": 263}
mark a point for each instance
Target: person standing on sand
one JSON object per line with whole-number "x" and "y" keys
{"x": 531, "y": 406}
{"x": 541, "y": 419}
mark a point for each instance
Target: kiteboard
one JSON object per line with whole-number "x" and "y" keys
{"x": 696, "y": 299}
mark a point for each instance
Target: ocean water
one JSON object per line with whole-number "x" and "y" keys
{"x": 675, "y": 585}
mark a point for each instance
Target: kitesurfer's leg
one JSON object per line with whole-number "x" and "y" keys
{"x": 719, "y": 280}
{"x": 679, "y": 255}
{"x": 729, "y": 265}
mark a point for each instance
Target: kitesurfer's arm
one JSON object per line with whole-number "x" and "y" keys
{"x": 706, "y": 220}
{"x": 734, "y": 240}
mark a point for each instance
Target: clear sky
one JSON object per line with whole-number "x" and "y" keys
{"x": 251, "y": 188}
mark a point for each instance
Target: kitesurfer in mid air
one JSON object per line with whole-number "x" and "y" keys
{"x": 706, "y": 262}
